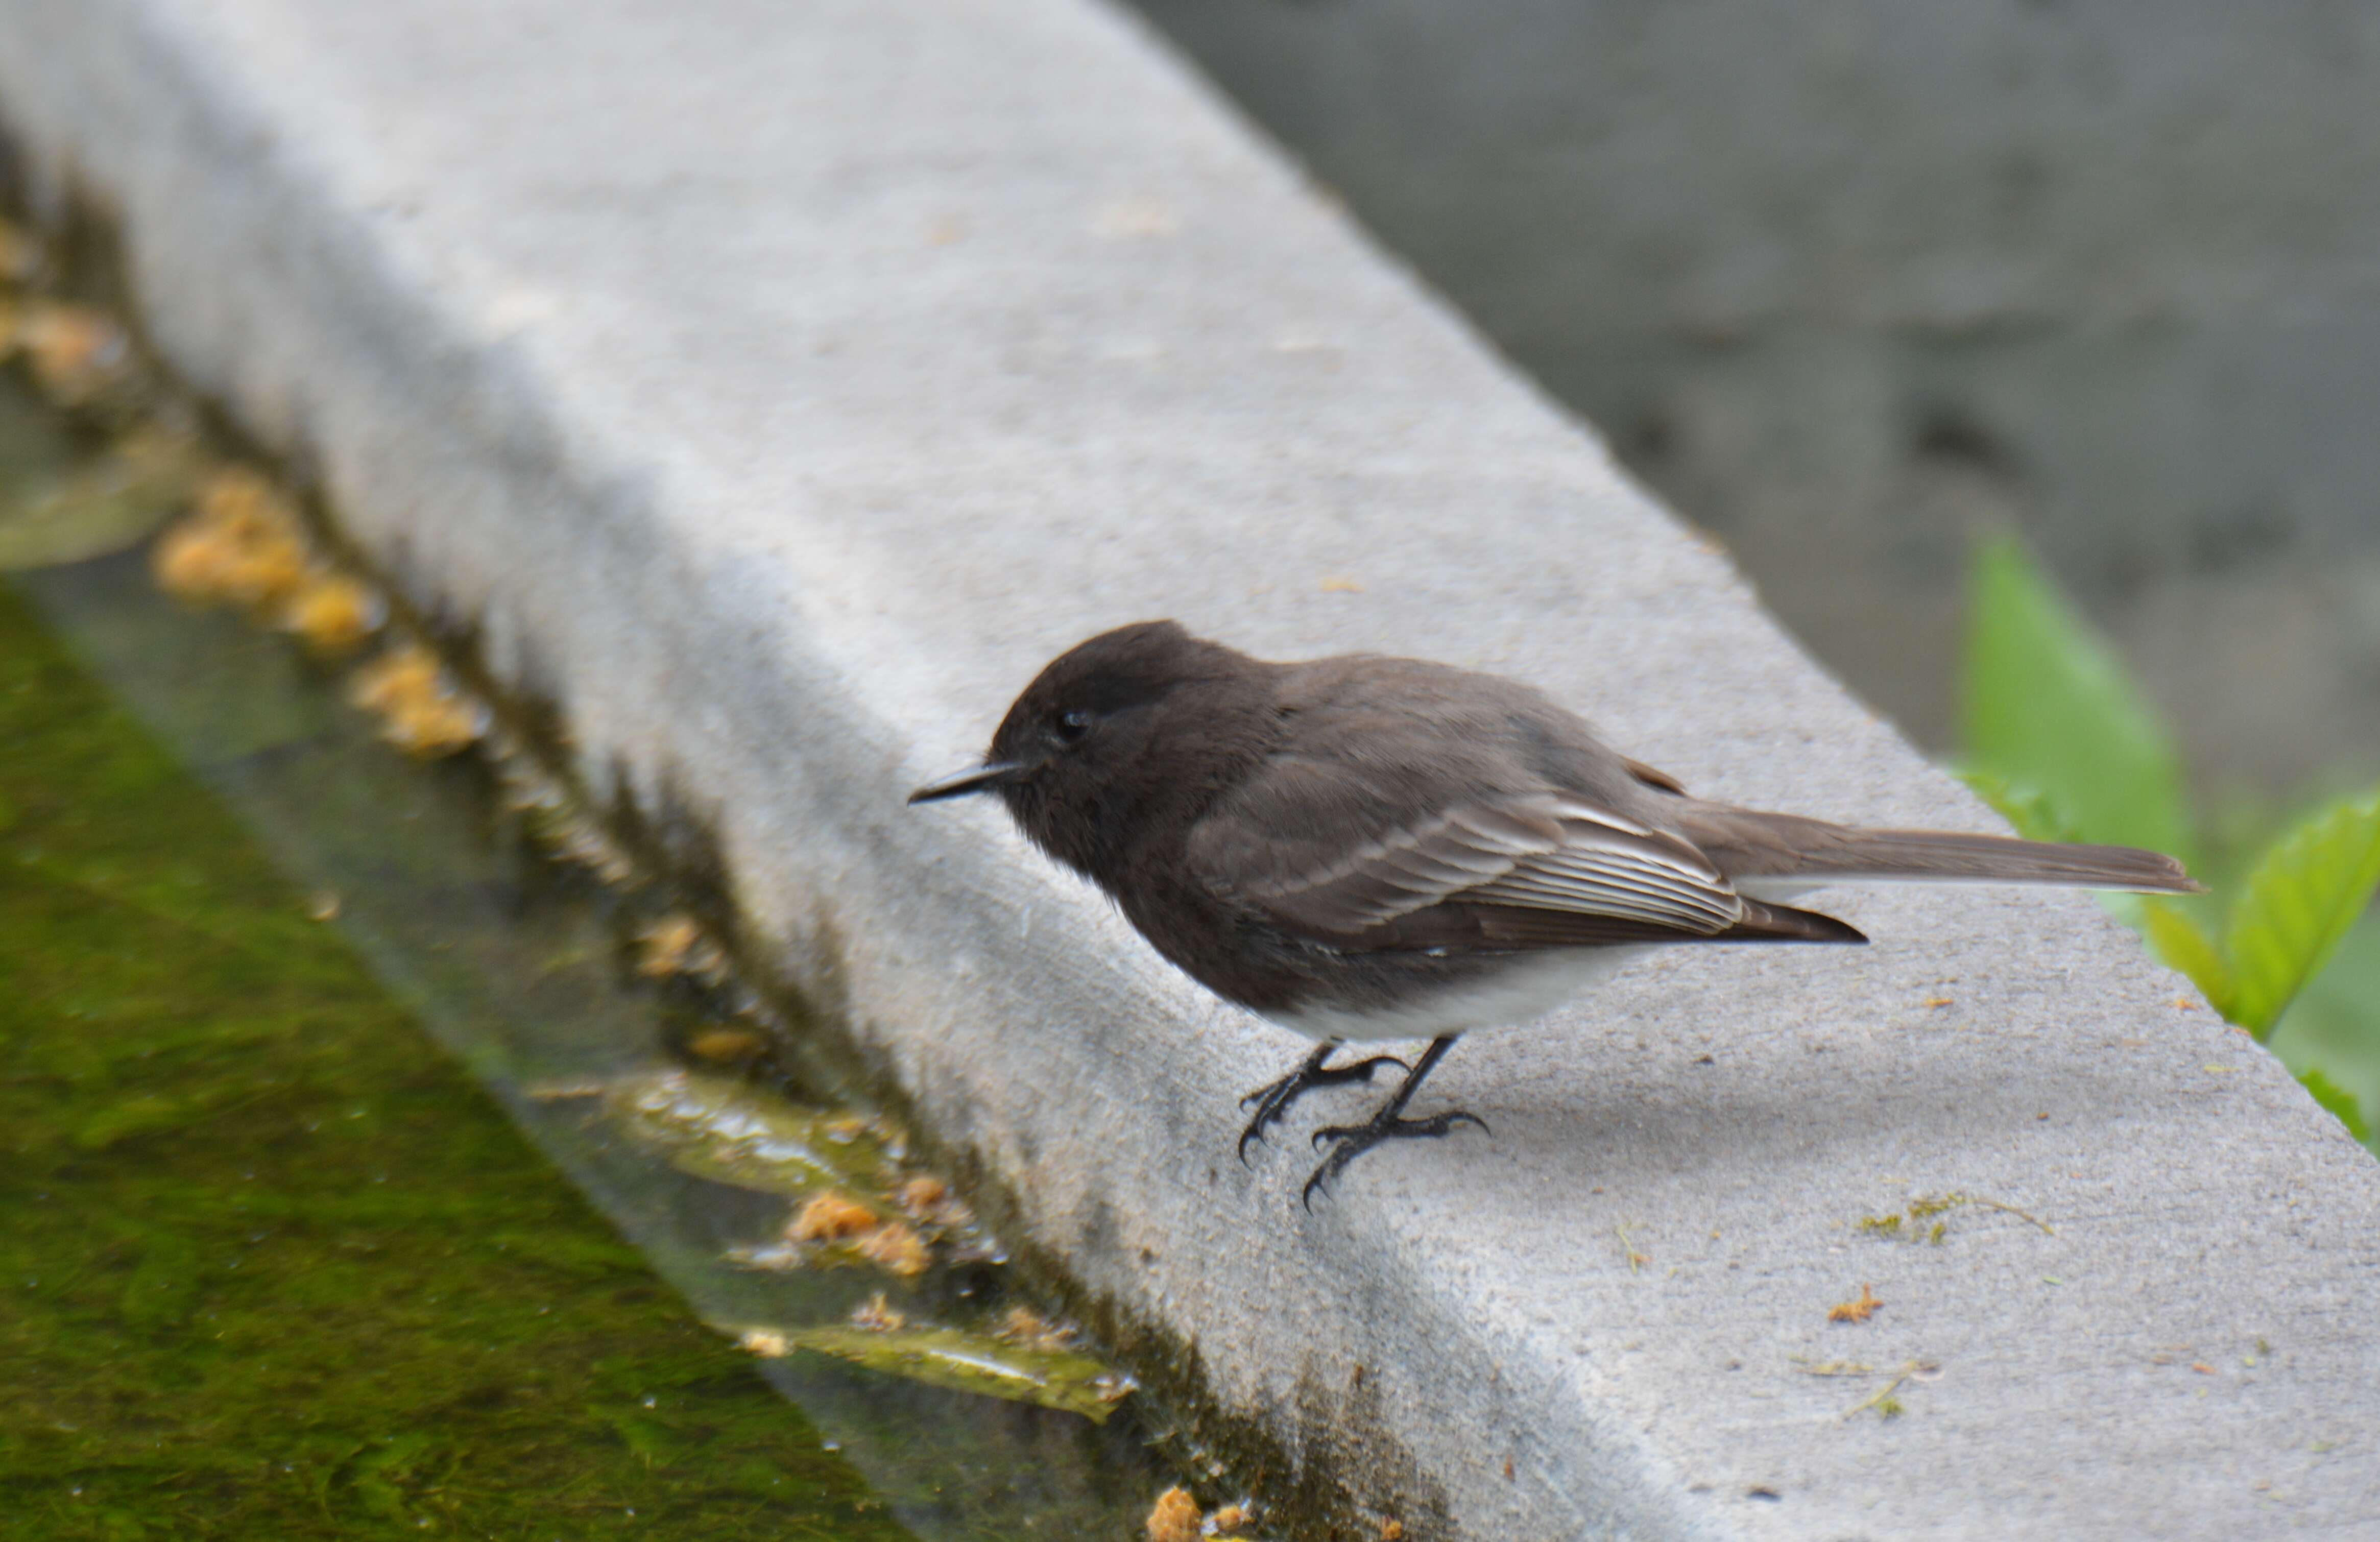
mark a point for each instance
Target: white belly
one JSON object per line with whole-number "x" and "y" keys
{"x": 1521, "y": 992}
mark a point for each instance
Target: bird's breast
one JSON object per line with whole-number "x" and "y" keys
{"x": 1383, "y": 996}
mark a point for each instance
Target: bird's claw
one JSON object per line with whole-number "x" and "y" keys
{"x": 1355, "y": 1139}
{"x": 1272, "y": 1100}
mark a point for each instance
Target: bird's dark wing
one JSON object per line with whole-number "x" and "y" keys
{"x": 1653, "y": 776}
{"x": 1540, "y": 869}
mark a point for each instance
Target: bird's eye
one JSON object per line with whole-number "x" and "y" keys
{"x": 1071, "y": 724}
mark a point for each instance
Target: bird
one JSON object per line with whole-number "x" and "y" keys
{"x": 1365, "y": 848}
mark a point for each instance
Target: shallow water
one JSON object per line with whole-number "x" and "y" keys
{"x": 278, "y": 1266}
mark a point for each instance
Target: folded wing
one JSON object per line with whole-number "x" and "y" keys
{"x": 1540, "y": 871}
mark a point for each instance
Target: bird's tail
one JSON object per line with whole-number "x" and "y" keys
{"x": 1746, "y": 844}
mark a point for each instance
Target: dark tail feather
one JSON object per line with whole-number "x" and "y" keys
{"x": 1748, "y": 844}
{"x": 2004, "y": 859}
{"x": 1783, "y": 923}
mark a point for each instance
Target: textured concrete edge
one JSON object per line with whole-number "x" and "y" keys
{"x": 287, "y": 315}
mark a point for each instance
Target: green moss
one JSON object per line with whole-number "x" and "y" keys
{"x": 1927, "y": 1207}
{"x": 274, "y": 1265}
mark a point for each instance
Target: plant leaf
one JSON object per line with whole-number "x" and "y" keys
{"x": 100, "y": 508}
{"x": 2338, "y": 1100}
{"x": 975, "y": 1362}
{"x": 2305, "y": 893}
{"x": 723, "y": 1130}
{"x": 2026, "y": 809}
{"x": 2190, "y": 948}
{"x": 2335, "y": 1022}
{"x": 2051, "y": 710}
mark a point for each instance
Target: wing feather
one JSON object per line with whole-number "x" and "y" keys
{"x": 1543, "y": 868}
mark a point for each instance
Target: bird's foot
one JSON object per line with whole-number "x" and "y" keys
{"x": 1353, "y": 1141}
{"x": 1272, "y": 1100}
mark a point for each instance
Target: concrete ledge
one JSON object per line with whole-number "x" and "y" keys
{"x": 774, "y": 388}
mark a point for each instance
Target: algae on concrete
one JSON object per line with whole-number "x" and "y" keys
{"x": 276, "y": 1266}
{"x": 446, "y": 885}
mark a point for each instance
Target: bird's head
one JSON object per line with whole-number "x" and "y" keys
{"x": 1117, "y": 731}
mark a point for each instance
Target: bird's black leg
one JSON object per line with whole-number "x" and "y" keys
{"x": 1272, "y": 1100}
{"x": 1355, "y": 1139}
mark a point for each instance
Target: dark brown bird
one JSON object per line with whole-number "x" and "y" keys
{"x": 1365, "y": 848}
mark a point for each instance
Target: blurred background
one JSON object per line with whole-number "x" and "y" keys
{"x": 1850, "y": 282}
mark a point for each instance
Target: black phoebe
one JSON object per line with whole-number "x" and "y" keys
{"x": 1367, "y": 848}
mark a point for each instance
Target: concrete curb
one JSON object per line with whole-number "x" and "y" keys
{"x": 773, "y": 390}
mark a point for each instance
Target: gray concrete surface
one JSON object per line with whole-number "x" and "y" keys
{"x": 777, "y": 386}
{"x": 1885, "y": 273}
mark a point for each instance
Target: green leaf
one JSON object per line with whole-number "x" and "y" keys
{"x": 2335, "y": 1022}
{"x": 2025, "y": 807}
{"x": 983, "y": 1362}
{"x": 2305, "y": 893}
{"x": 2049, "y": 709}
{"x": 100, "y": 508}
{"x": 2190, "y": 948}
{"x": 2340, "y": 1101}
{"x": 728, "y": 1131}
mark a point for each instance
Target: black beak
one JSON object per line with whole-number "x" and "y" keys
{"x": 974, "y": 779}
